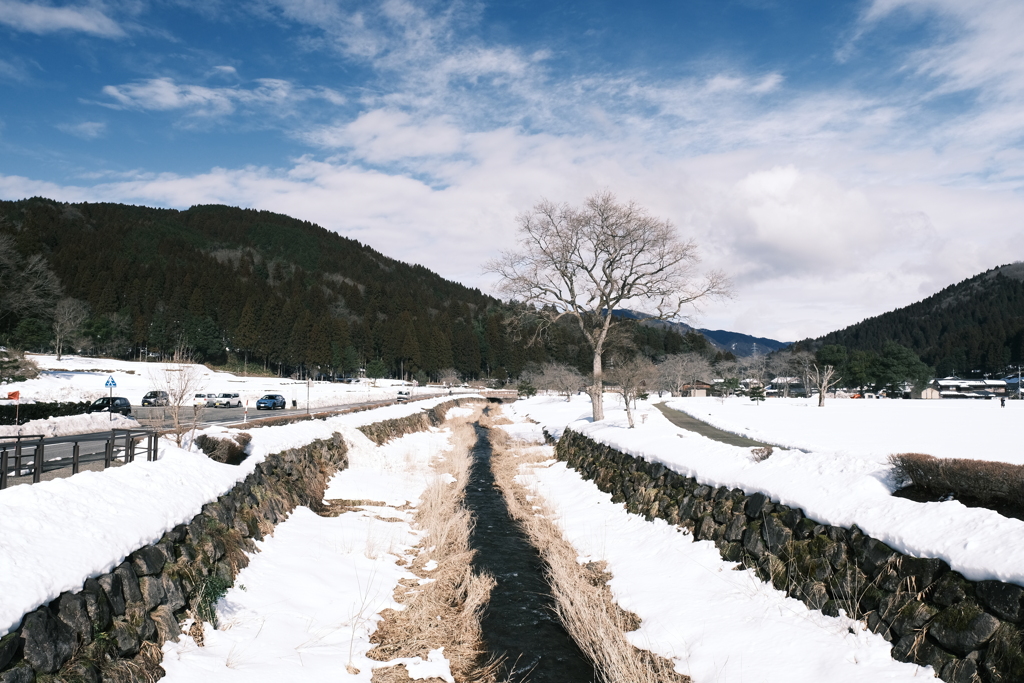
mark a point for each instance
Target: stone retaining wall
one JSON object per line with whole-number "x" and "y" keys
{"x": 968, "y": 631}
{"x": 111, "y": 628}
{"x": 385, "y": 430}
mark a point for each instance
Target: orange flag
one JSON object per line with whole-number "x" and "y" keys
{"x": 14, "y": 396}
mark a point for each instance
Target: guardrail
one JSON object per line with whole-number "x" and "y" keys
{"x": 15, "y": 451}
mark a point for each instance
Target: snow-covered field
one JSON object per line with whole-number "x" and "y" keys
{"x": 716, "y": 624}
{"x": 78, "y": 378}
{"x": 979, "y": 430}
{"x": 833, "y": 484}
{"x": 306, "y": 605}
{"x": 55, "y": 534}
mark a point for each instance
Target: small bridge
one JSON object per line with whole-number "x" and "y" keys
{"x": 499, "y": 395}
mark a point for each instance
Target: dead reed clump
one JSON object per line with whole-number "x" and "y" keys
{"x": 445, "y": 609}
{"x": 979, "y": 482}
{"x": 582, "y": 597}
{"x": 761, "y": 454}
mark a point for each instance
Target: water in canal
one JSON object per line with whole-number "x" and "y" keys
{"x": 520, "y": 623}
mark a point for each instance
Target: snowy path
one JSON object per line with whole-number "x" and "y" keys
{"x": 717, "y": 624}
{"x": 306, "y": 605}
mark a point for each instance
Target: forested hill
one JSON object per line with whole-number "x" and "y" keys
{"x": 232, "y": 284}
{"x": 975, "y": 326}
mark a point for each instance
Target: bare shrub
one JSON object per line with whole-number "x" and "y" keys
{"x": 230, "y": 451}
{"x": 761, "y": 454}
{"x": 583, "y": 599}
{"x": 980, "y": 481}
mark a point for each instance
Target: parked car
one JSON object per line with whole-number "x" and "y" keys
{"x": 271, "y": 402}
{"x": 228, "y": 401}
{"x": 117, "y": 404}
{"x": 205, "y": 400}
{"x": 155, "y": 398}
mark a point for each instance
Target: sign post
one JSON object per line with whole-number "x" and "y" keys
{"x": 110, "y": 384}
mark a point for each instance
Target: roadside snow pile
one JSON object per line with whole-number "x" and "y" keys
{"x": 58, "y": 533}
{"x": 978, "y": 430}
{"x": 307, "y": 604}
{"x": 71, "y": 424}
{"x": 716, "y": 624}
{"x": 831, "y": 487}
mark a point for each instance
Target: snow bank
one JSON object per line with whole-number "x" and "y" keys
{"x": 70, "y": 424}
{"x": 832, "y": 487}
{"x": 308, "y": 602}
{"x": 58, "y": 533}
{"x": 716, "y": 624}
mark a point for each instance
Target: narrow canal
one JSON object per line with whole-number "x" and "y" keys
{"x": 520, "y": 623}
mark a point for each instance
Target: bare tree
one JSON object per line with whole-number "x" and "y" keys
{"x": 780, "y": 366}
{"x": 823, "y": 379}
{"x": 588, "y": 262}
{"x": 29, "y": 286}
{"x": 68, "y": 316}
{"x": 449, "y": 377}
{"x": 563, "y": 379}
{"x": 801, "y": 363}
{"x": 182, "y": 382}
{"x": 755, "y": 368}
{"x": 632, "y": 378}
{"x": 684, "y": 369}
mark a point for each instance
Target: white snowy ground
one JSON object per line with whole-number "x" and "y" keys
{"x": 56, "y": 534}
{"x": 833, "y": 485}
{"x": 715, "y": 623}
{"x": 979, "y": 430}
{"x": 78, "y": 378}
{"x": 306, "y": 605}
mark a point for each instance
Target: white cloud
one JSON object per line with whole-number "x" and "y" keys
{"x": 41, "y": 19}
{"x": 164, "y": 94}
{"x": 87, "y": 130}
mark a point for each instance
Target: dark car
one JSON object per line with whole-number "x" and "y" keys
{"x": 117, "y": 404}
{"x": 155, "y": 398}
{"x": 270, "y": 402}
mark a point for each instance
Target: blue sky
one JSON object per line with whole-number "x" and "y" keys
{"x": 836, "y": 159}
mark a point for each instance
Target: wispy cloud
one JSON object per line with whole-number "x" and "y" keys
{"x": 41, "y": 19}
{"x": 164, "y": 94}
{"x": 87, "y": 130}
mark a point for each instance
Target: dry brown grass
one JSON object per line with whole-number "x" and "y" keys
{"x": 446, "y": 611}
{"x": 583, "y": 599}
{"x": 981, "y": 482}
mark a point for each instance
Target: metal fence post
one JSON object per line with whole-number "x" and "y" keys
{"x": 37, "y": 471}
{"x": 108, "y": 452}
{"x": 3, "y": 468}
{"x": 17, "y": 457}
{"x": 74, "y": 459}
{"x": 151, "y": 446}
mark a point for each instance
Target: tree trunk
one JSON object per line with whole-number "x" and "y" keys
{"x": 597, "y": 391}
{"x": 821, "y": 398}
{"x": 629, "y": 413}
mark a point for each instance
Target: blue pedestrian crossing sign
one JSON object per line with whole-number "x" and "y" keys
{"x": 110, "y": 382}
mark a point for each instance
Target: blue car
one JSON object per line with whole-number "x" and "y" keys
{"x": 270, "y": 402}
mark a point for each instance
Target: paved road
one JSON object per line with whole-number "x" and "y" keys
{"x": 681, "y": 419}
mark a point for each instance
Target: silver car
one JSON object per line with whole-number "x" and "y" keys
{"x": 228, "y": 401}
